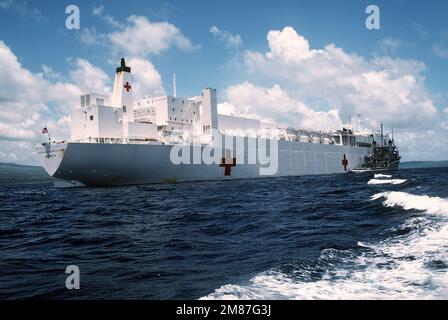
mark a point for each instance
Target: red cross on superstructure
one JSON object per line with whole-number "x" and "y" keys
{"x": 345, "y": 162}
{"x": 127, "y": 86}
{"x": 228, "y": 163}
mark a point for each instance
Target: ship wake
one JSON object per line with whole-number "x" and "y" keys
{"x": 386, "y": 181}
{"x": 379, "y": 176}
{"x": 408, "y": 265}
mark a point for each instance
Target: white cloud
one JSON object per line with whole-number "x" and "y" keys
{"x": 420, "y": 29}
{"x": 227, "y": 108}
{"x": 49, "y": 74}
{"x": 440, "y": 50}
{"x": 25, "y": 98}
{"x": 440, "y": 46}
{"x": 390, "y": 45}
{"x": 381, "y": 89}
{"x": 231, "y": 40}
{"x": 90, "y": 37}
{"x": 22, "y": 8}
{"x": 321, "y": 88}
{"x": 146, "y": 77}
{"x": 142, "y": 37}
{"x": 89, "y": 78}
{"x": 29, "y": 101}
{"x": 287, "y": 46}
{"x": 275, "y": 105}
{"x": 99, "y": 12}
{"x": 423, "y": 144}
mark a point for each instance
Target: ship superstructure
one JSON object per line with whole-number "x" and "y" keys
{"x": 120, "y": 140}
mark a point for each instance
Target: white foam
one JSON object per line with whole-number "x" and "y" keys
{"x": 433, "y": 205}
{"x": 401, "y": 267}
{"x": 391, "y": 270}
{"x": 379, "y": 175}
{"x": 386, "y": 181}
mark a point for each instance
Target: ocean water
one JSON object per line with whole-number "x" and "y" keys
{"x": 353, "y": 236}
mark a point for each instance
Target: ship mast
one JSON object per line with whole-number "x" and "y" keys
{"x": 174, "y": 85}
{"x": 382, "y": 139}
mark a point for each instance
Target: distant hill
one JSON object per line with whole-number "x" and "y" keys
{"x": 11, "y": 173}
{"x": 423, "y": 164}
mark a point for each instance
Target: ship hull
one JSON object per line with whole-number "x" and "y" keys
{"x": 97, "y": 164}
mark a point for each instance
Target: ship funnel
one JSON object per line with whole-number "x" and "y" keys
{"x": 123, "y": 67}
{"x": 122, "y": 92}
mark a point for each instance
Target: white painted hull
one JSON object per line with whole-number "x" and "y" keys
{"x": 96, "y": 164}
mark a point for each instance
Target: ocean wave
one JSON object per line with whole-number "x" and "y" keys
{"x": 398, "y": 268}
{"x": 433, "y": 205}
{"x": 413, "y": 265}
{"x": 379, "y": 176}
{"x": 386, "y": 181}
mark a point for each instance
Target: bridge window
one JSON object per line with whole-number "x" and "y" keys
{"x": 91, "y": 117}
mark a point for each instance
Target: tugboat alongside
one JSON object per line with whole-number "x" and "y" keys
{"x": 384, "y": 156}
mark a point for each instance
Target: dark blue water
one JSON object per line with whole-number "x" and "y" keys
{"x": 284, "y": 238}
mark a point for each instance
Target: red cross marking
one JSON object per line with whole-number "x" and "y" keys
{"x": 345, "y": 162}
{"x": 228, "y": 163}
{"x": 127, "y": 86}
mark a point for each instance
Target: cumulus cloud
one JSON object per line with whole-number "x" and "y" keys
{"x": 146, "y": 77}
{"x": 232, "y": 41}
{"x": 29, "y": 101}
{"x": 89, "y": 78}
{"x": 227, "y": 108}
{"x": 381, "y": 89}
{"x": 142, "y": 37}
{"x": 50, "y": 74}
{"x": 275, "y": 105}
{"x": 321, "y": 88}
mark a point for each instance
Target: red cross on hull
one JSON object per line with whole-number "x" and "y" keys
{"x": 227, "y": 166}
{"x": 345, "y": 162}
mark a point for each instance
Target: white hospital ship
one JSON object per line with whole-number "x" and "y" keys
{"x": 121, "y": 141}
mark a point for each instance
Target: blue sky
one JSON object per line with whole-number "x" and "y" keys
{"x": 411, "y": 31}
{"x": 341, "y": 22}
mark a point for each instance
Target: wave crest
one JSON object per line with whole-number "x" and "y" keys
{"x": 386, "y": 181}
{"x": 432, "y": 205}
{"x": 379, "y": 175}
